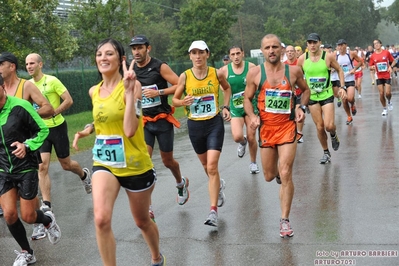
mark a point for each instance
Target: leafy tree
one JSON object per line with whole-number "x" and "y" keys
{"x": 96, "y": 20}
{"x": 31, "y": 26}
{"x": 205, "y": 20}
{"x": 392, "y": 13}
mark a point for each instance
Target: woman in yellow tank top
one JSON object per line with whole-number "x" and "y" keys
{"x": 200, "y": 86}
{"x": 120, "y": 152}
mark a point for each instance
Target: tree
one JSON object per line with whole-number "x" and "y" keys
{"x": 205, "y": 20}
{"x": 31, "y": 26}
{"x": 96, "y": 20}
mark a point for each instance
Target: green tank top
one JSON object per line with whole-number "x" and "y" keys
{"x": 317, "y": 76}
{"x": 237, "y": 83}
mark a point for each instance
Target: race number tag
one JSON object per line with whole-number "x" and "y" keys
{"x": 345, "y": 68}
{"x": 150, "y": 102}
{"x": 317, "y": 84}
{"x": 110, "y": 151}
{"x": 278, "y": 101}
{"x": 203, "y": 106}
{"x": 382, "y": 67}
{"x": 238, "y": 99}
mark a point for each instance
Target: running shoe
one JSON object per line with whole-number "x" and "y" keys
{"x": 161, "y": 263}
{"x": 38, "y": 232}
{"x": 182, "y": 192}
{"x": 87, "y": 181}
{"x": 212, "y": 219}
{"x": 335, "y": 142}
{"x": 360, "y": 96}
{"x": 384, "y": 112}
{"x": 390, "y": 106}
{"x": 353, "y": 109}
{"x": 222, "y": 197}
{"x": 253, "y": 168}
{"x": 372, "y": 83}
{"x": 1, "y": 211}
{"x": 53, "y": 230}
{"x": 339, "y": 102}
{"x": 285, "y": 228}
{"x": 152, "y": 215}
{"x": 24, "y": 258}
{"x": 278, "y": 179}
{"x": 326, "y": 158}
{"x": 300, "y": 140}
{"x": 45, "y": 207}
{"x": 241, "y": 148}
{"x": 349, "y": 121}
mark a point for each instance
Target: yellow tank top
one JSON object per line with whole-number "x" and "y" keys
{"x": 205, "y": 93}
{"x": 112, "y": 146}
{"x": 19, "y": 93}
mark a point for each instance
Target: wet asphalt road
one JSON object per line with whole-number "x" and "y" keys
{"x": 343, "y": 212}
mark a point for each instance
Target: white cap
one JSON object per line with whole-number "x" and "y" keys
{"x": 283, "y": 45}
{"x": 198, "y": 45}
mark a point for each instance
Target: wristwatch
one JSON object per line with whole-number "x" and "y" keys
{"x": 343, "y": 87}
{"x": 161, "y": 92}
{"x": 303, "y": 107}
{"x": 27, "y": 148}
{"x": 226, "y": 107}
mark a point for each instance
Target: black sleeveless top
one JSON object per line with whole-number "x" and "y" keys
{"x": 149, "y": 75}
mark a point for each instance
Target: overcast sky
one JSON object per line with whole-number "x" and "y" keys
{"x": 386, "y": 3}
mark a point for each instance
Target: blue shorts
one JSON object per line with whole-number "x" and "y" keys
{"x": 163, "y": 131}
{"x": 206, "y": 134}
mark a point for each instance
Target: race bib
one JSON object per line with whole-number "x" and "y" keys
{"x": 382, "y": 67}
{"x": 345, "y": 68}
{"x": 203, "y": 106}
{"x": 278, "y": 101}
{"x": 110, "y": 151}
{"x": 317, "y": 84}
{"x": 238, "y": 99}
{"x": 150, "y": 102}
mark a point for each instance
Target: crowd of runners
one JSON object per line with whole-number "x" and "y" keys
{"x": 265, "y": 104}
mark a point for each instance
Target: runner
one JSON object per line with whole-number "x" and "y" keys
{"x": 271, "y": 84}
{"x": 316, "y": 65}
{"x": 381, "y": 61}
{"x": 345, "y": 59}
{"x": 54, "y": 91}
{"x": 200, "y": 86}
{"x": 369, "y": 52}
{"x": 23, "y": 132}
{"x": 358, "y": 76}
{"x": 21, "y": 88}
{"x": 292, "y": 60}
{"x": 120, "y": 155}
{"x": 236, "y": 73}
{"x": 154, "y": 76}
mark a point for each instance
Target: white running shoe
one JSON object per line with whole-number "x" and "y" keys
{"x": 384, "y": 112}
{"x": 87, "y": 181}
{"x": 182, "y": 192}
{"x": 38, "y": 232}
{"x": 222, "y": 197}
{"x": 390, "y": 106}
{"x": 253, "y": 168}
{"x": 53, "y": 231}
{"x": 241, "y": 148}
{"x": 24, "y": 258}
{"x": 212, "y": 219}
